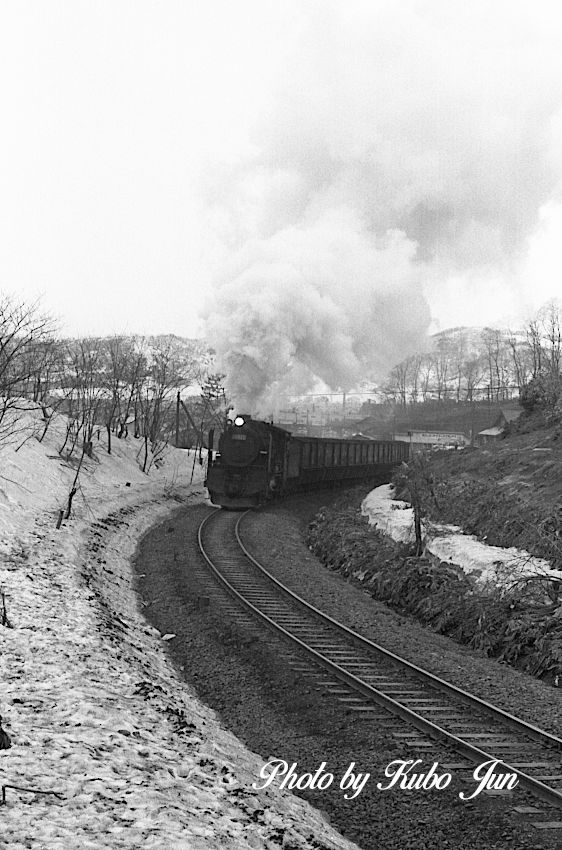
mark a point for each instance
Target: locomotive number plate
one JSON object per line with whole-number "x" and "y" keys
{"x": 239, "y": 436}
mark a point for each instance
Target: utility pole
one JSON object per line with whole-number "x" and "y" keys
{"x": 178, "y": 420}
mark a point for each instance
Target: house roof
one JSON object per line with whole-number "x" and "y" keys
{"x": 491, "y": 432}
{"x": 511, "y": 415}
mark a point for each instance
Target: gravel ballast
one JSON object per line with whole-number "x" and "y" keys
{"x": 290, "y": 561}
{"x": 279, "y": 713}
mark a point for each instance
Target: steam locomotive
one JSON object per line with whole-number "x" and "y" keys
{"x": 257, "y": 462}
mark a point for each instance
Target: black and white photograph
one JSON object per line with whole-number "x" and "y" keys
{"x": 280, "y": 425}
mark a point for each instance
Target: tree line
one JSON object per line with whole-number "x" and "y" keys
{"x": 467, "y": 364}
{"x": 125, "y": 385}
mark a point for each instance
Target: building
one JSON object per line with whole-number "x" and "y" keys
{"x": 424, "y": 440}
{"x": 499, "y": 428}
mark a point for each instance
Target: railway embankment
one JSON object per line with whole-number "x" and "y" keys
{"x": 102, "y": 744}
{"x": 507, "y": 493}
{"x": 504, "y": 495}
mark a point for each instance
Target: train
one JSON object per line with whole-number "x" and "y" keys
{"x": 258, "y": 462}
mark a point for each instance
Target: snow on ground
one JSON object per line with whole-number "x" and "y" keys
{"x": 448, "y": 543}
{"x": 93, "y": 708}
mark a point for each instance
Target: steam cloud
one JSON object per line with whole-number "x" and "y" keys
{"x": 411, "y": 143}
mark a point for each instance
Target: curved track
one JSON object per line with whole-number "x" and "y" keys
{"x": 369, "y": 674}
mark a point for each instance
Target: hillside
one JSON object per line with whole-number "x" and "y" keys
{"x": 508, "y": 493}
{"x": 107, "y": 748}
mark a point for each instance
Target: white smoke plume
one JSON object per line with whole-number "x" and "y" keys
{"x": 409, "y": 144}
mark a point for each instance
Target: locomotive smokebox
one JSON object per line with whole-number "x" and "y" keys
{"x": 242, "y": 419}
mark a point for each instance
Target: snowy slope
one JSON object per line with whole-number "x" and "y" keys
{"x": 92, "y": 706}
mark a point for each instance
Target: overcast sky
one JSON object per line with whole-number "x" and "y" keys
{"x": 150, "y": 151}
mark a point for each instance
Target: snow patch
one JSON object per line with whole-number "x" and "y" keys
{"x": 93, "y": 708}
{"x": 448, "y": 542}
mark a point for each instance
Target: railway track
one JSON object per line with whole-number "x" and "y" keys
{"x": 366, "y": 677}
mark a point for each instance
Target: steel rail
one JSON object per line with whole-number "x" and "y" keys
{"x": 548, "y": 795}
{"x": 519, "y": 725}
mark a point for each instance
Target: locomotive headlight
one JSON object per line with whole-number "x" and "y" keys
{"x": 239, "y": 421}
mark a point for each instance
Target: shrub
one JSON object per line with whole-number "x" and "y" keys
{"x": 541, "y": 393}
{"x": 521, "y": 625}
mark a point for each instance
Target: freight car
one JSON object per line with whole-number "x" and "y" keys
{"x": 257, "y": 462}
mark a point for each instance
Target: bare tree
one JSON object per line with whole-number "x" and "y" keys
{"x": 427, "y": 369}
{"x": 458, "y": 355}
{"x": 442, "y": 366}
{"x": 416, "y": 361}
{"x": 521, "y": 365}
{"x": 544, "y": 340}
{"x": 85, "y": 392}
{"x": 398, "y": 382}
{"x": 125, "y": 372}
{"x": 496, "y": 350}
{"x": 171, "y": 367}
{"x": 550, "y": 317}
{"x": 25, "y": 336}
{"x": 534, "y": 343}
{"x": 472, "y": 372}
